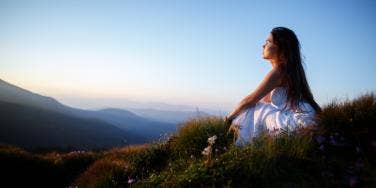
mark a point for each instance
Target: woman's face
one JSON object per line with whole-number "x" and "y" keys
{"x": 270, "y": 50}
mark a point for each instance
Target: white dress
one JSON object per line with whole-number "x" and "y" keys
{"x": 272, "y": 117}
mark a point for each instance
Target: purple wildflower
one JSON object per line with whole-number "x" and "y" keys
{"x": 334, "y": 142}
{"x": 131, "y": 180}
{"x": 353, "y": 181}
{"x": 320, "y": 139}
{"x": 322, "y": 147}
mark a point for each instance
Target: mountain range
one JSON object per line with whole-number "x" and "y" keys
{"x": 31, "y": 120}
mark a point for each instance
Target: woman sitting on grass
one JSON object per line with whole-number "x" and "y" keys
{"x": 283, "y": 100}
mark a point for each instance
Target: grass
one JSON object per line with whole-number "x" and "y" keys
{"x": 338, "y": 152}
{"x": 53, "y": 169}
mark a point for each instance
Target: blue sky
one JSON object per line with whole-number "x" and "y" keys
{"x": 204, "y": 53}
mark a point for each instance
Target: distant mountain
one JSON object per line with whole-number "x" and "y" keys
{"x": 119, "y": 123}
{"x": 128, "y": 121}
{"x": 32, "y": 127}
{"x": 175, "y": 117}
{"x": 13, "y": 94}
{"x": 122, "y": 103}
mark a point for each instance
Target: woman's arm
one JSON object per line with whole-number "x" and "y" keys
{"x": 270, "y": 81}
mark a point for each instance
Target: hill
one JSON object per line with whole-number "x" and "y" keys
{"x": 32, "y": 127}
{"x": 128, "y": 121}
{"x": 36, "y": 121}
{"x": 171, "y": 116}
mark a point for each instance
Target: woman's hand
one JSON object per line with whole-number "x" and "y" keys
{"x": 244, "y": 104}
{"x": 228, "y": 120}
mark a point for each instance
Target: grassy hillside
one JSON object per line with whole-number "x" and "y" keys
{"x": 338, "y": 152}
{"x": 20, "y": 168}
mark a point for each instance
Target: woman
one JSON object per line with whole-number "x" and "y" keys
{"x": 283, "y": 100}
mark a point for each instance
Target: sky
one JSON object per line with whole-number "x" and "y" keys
{"x": 203, "y": 53}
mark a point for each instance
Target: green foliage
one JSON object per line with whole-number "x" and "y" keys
{"x": 152, "y": 159}
{"x": 121, "y": 165}
{"x": 346, "y": 139}
{"x": 267, "y": 162}
{"x": 103, "y": 173}
{"x": 193, "y": 136}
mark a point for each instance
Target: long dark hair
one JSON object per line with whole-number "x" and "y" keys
{"x": 293, "y": 75}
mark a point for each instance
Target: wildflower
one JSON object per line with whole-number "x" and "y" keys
{"x": 322, "y": 148}
{"x": 207, "y": 151}
{"x": 334, "y": 142}
{"x": 212, "y": 139}
{"x": 130, "y": 180}
{"x": 320, "y": 139}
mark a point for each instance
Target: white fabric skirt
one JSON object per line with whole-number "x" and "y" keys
{"x": 268, "y": 117}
